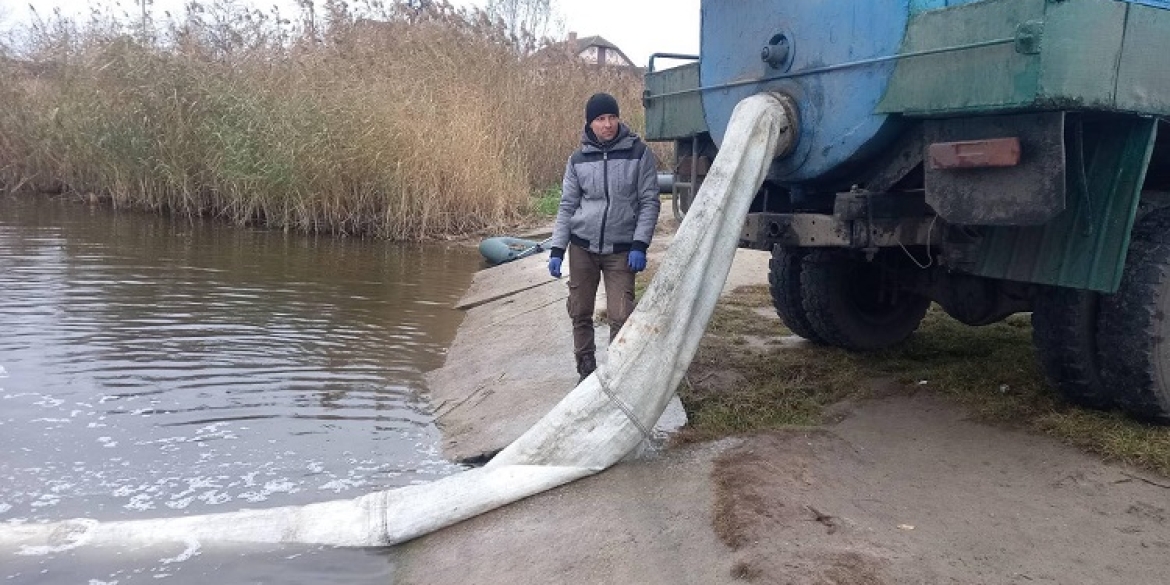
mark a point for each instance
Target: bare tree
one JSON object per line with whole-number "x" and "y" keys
{"x": 537, "y": 18}
{"x": 9, "y": 31}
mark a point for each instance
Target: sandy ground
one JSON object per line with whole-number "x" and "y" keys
{"x": 903, "y": 489}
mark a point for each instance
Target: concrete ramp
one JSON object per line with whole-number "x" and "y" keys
{"x": 507, "y": 280}
{"x": 490, "y": 391}
{"x": 591, "y": 428}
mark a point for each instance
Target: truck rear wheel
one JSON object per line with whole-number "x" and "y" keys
{"x": 1153, "y": 227}
{"x": 1064, "y": 332}
{"x": 1134, "y": 337}
{"x": 784, "y": 282}
{"x": 847, "y": 306}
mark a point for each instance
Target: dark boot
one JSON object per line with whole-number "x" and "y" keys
{"x": 585, "y": 366}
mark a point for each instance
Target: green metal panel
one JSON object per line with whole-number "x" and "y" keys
{"x": 1143, "y": 80}
{"x": 677, "y": 116}
{"x": 974, "y": 79}
{"x": 1090, "y": 54}
{"x": 1081, "y": 47}
{"x": 1084, "y": 246}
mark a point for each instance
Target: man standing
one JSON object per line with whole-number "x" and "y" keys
{"x": 609, "y": 207}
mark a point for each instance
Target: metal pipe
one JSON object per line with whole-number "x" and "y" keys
{"x": 671, "y": 56}
{"x": 837, "y": 67}
{"x": 665, "y": 182}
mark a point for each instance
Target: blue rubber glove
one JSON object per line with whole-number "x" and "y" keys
{"x": 554, "y": 267}
{"x": 637, "y": 261}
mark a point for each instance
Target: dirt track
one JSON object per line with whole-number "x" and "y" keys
{"x": 903, "y": 489}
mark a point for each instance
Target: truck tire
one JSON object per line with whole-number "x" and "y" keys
{"x": 784, "y": 282}
{"x": 1134, "y": 334}
{"x": 1153, "y": 227}
{"x": 844, "y": 306}
{"x": 1064, "y": 332}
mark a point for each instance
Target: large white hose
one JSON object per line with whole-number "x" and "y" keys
{"x": 593, "y": 427}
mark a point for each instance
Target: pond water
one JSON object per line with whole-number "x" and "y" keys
{"x": 157, "y": 368}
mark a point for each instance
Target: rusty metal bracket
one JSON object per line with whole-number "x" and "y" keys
{"x": 815, "y": 230}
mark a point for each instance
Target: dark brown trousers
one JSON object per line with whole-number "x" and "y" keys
{"x": 585, "y": 272}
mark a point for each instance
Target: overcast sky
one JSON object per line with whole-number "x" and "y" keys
{"x": 638, "y": 27}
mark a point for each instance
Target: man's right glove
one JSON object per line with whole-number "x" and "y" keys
{"x": 636, "y": 260}
{"x": 554, "y": 267}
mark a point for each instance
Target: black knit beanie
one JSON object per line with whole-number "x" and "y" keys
{"x": 600, "y": 104}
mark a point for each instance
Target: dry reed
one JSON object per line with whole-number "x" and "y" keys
{"x": 400, "y": 123}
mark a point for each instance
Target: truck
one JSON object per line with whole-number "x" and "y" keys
{"x": 991, "y": 156}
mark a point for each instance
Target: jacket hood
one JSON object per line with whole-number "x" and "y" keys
{"x": 625, "y": 139}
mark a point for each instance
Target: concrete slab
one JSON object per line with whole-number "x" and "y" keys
{"x": 506, "y": 368}
{"x": 512, "y": 358}
{"x": 508, "y": 279}
{"x": 647, "y": 524}
{"x": 512, "y": 361}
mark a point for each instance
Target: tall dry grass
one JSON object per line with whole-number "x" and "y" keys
{"x": 399, "y": 123}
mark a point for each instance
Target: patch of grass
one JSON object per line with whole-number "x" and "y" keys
{"x": 743, "y": 390}
{"x": 546, "y": 202}
{"x": 746, "y": 312}
{"x": 735, "y": 388}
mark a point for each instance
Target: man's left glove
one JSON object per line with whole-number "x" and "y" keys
{"x": 554, "y": 267}
{"x": 637, "y": 261}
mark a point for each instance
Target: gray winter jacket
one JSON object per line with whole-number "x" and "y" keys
{"x": 609, "y": 198}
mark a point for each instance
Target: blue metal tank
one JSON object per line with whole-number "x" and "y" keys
{"x": 827, "y": 46}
